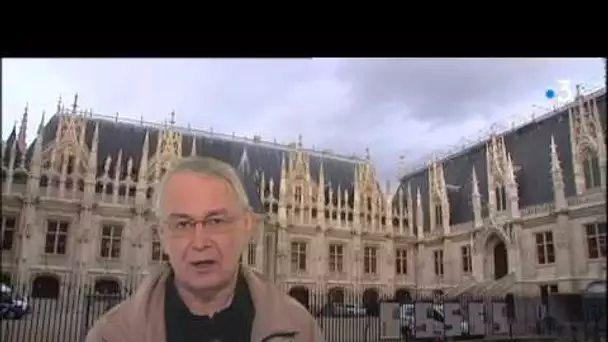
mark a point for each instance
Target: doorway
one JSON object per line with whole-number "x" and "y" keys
{"x": 501, "y": 263}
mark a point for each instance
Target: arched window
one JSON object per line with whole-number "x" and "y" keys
{"x": 438, "y": 215}
{"x": 591, "y": 169}
{"x": 107, "y": 286}
{"x": 5, "y": 278}
{"x": 336, "y": 295}
{"x": 501, "y": 198}
{"x": 45, "y": 286}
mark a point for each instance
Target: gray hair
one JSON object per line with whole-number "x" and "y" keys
{"x": 204, "y": 166}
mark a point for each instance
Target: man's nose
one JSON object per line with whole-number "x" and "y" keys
{"x": 200, "y": 238}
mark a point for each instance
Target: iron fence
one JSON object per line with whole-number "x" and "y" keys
{"x": 43, "y": 317}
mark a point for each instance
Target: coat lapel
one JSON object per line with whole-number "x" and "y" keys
{"x": 271, "y": 322}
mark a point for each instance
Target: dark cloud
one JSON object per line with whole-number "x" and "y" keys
{"x": 444, "y": 91}
{"x": 407, "y": 106}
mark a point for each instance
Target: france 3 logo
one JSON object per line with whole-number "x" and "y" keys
{"x": 562, "y": 94}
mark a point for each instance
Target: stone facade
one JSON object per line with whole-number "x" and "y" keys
{"x": 76, "y": 207}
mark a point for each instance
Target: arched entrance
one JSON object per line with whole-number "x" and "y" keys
{"x": 5, "y": 279}
{"x": 501, "y": 263}
{"x": 45, "y": 286}
{"x": 496, "y": 260}
{"x": 371, "y": 301}
{"x": 106, "y": 286}
{"x": 336, "y": 295}
{"x": 301, "y": 294}
{"x": 403, "y": 296}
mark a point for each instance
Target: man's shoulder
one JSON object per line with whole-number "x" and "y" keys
{"x": 286, "y": 304}
{"x": 301, "y": 318}
{"x": 293, "y": 306}
{"x": 114, "y": 320}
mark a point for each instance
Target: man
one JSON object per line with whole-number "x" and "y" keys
{"x": 205, "y": 294}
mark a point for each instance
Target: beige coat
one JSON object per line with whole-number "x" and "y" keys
{"x": 278, "y": 318}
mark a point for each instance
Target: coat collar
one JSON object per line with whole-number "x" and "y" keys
{"x": 147, "y": 307}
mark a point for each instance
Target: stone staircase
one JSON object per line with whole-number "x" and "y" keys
{"x": 487, "y": 288}
{"x": 500, "y": 287}
{"x": 461, "y": 288}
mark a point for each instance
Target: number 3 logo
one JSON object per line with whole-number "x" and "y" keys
{"x": 565, "y": 93}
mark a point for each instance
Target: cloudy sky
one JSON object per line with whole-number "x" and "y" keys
{"x": 395, "y": 107}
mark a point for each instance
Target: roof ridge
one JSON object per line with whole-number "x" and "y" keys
{"x": 218, "y": 135}
{"x": 546, "y": 116}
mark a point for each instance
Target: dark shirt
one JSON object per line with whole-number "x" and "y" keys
{"x": 228, "y": 325}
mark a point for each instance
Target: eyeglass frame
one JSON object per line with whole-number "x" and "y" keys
{"x": 192, "y": 222}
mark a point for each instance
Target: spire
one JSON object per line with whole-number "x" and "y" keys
{"x": 419, "y": 214}
{"x": 243, "y": 166}
{"x": 321, "y": 187}
{"x": 193, "y": 149}
{"x": 41, "y": 125}
{"x": 75, "y": 104}
{"x": 59, "y": 105}
{"x": 21, "y": 140}
{"x": 92, "y": 162}
{"x": 13, "y": 148}
{"x": 559, "y": 194}
{"x": 509, "y": 173}
{"x": 476, "y": 200}
{"x": 409, "y": 206}
{"x": 36, "y": 162}
{"x": 555, "y": 165}
{"x": 475, "y": 183}
{"x": 300, "y": 141}
{"x": 283, "y": 180}
{"x": 143, "y": 163}
{"x": 172, "y": 120}
{"x": 367, "y": 156}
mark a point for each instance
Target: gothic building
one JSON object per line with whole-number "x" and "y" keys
{"x": 525, "y": 207}
{"x": 524, "y": 211}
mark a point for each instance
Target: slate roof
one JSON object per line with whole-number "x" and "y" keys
{"x": 263, "y": 157}
{"x": 530, "y": 150}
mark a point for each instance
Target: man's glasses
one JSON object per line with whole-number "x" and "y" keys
{"x": 216, "y": 224}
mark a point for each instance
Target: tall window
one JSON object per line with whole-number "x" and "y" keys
{"x": 251, "y": 253}
{"x": 545, "y": 250}
{"x": 370, "y": 260}
{"x": 157, "y": 252}
{"x": 467, "y": 261}
{"x": 111, "y": 239}
{"x": 596, "y": 240}
{"x": 501, "y": 198}
{"x": 298, "y": 194}
{"x": 438, "y": 259}
{"x": 298, "y": 256}
{"x": 9, "y": 223}
{"x": 591, "y": 170}
{"x": 547, "y": 289}
{"x": 401, "y": 261}
{"x": 56, "y": 237}
{"x": 336, "y": 258}
{"x": 438, "y": 216}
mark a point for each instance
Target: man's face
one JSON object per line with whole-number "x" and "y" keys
{"x": 204, "y": 229}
